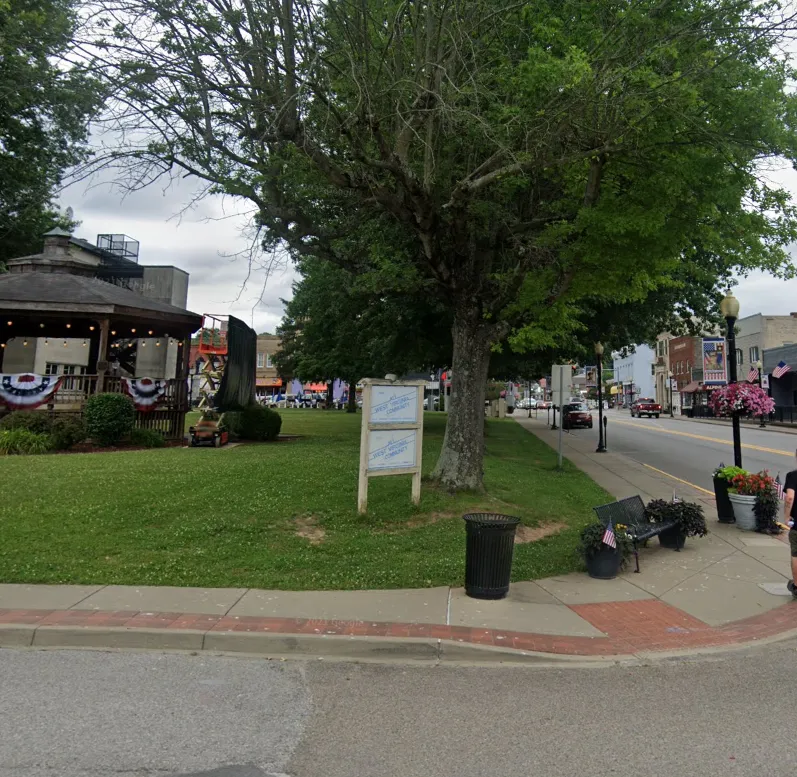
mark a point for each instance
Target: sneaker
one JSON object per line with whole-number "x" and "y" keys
{"x": 792, "y": 589}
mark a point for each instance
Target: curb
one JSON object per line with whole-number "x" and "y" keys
{"x": 335, "y": 647}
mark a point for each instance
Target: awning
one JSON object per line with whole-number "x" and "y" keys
{"x": 691, "y": 388}
{"x": 614, "y": 390}
{"x": 315, "y": 386}
{"x": 268, "y": 382}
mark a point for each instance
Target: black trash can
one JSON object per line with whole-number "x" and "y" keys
{"x": 488, "y": 554}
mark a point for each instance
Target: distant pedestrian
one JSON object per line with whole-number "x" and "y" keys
{"x": 789, "y": 518}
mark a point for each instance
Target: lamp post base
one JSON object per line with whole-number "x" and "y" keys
{"x": 600, "y": 449}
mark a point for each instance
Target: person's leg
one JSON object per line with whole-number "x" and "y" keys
{"x": 793, "y": 546}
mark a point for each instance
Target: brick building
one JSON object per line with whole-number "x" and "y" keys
{"x": 268, "y": 381}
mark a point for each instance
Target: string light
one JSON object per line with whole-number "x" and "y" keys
{"x": 113, "y": 331}
{"x": 41, "y": 326}
{"x": 2, "y": 345}
{"x": 10, "y": 322}
{"x": 133, "y": 330}
{"x": 69, "y": 326}
{"x": 150, "y": 331}
{"x": 91, "y": 328}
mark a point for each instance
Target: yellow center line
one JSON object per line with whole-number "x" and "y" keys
{"x": 680, "y": 480}
{"x": 703, "y": 437}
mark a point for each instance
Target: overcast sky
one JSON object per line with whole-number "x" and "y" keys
{"x": 209, "y": 243}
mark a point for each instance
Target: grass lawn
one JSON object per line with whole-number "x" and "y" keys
{"x": 231, "y": 517}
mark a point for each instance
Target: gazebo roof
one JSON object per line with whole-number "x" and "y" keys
{"x": 64, "y": 293}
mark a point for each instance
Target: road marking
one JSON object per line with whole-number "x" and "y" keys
{"x": 703, "y": 437}
{"x": 680, "y": 480}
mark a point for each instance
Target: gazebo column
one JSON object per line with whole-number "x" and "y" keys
{"x": 102, "y": 355}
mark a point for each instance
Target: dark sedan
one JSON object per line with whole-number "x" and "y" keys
{"x": 576, "y": 415}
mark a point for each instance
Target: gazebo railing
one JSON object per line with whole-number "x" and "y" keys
{"x": 76, "y": 389}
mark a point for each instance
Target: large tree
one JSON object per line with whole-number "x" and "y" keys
{"x": 45, "y": 106}
{"x": 342, "y": 325}
{"x": 522, "y": 156}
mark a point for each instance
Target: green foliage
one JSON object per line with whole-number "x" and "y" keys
{"x": 23, "y": 442}
{"x": 66, "y": 432}
{"x": 255, "y": 423}
{"x": 688, "y": 515}
{"x": 591, "y": 541}
{"x": 729, "y": 473}
{"x": 147, "y": 438}
{"x": 109, "y": 418}
{"x": 33, "y": 420}
{"x": 45, "y": 105}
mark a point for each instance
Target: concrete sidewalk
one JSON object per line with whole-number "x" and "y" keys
{"x": 722, "y": 590}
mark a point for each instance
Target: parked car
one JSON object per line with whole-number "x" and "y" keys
{"x": 645, "y": 406}
{"x": 576, "y": 415}
{"x": 527, "y": 403}
{"x": 543, "y": 404}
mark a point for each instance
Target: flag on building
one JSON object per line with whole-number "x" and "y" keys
{"x": 752, "y": 376}
{"x": 779, "y": 486}
{"x": 608, "y": 536}
{"x": 781, "y": 369}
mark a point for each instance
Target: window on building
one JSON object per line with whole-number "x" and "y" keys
{"x": 269, "y": 363}
{"x": 739, "y": 357}
{"x": 50, "y": 369}
{"x": 753, "y": 354}
{"x": 261, "y": 359}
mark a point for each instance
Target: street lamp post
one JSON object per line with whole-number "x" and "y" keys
{"x": 760, "y": 368}
{"x": 729, "y": 308}
{"x": 601, "y": 442}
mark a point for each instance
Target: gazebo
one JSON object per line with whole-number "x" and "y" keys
{"x": 59, "y": 295}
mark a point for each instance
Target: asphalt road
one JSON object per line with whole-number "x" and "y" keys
{"x": 691, "y": 450}
{"x": 92, "y": 714}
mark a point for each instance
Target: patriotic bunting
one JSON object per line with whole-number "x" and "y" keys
{"x": 145, "y": 392}
{"x": 27, "y": 391}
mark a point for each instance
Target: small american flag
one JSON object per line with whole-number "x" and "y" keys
{"x": 675, "y": 498}
{"x": 608, "y": 536}
{"x": 752, "y": 376}
{"x": 778, "y": 487}
{"x": 781, "y": 369}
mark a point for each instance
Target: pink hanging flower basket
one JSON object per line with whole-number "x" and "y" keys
{"x": 741, "y": 398}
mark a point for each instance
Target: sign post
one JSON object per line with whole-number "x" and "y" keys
{"x": 391, "y": 436}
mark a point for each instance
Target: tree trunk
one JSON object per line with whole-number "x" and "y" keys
{"x": 330, "y": 390}
{"x": 460, "y": 465}
{"x": 351, "y": 405}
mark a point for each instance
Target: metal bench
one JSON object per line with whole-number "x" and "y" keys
{"x": 630, "y": 512}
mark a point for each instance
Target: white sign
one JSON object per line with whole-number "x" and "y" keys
{"x": 394, "y": 405}
{"x": 391, "y": 437}
{"x": 567, "y": 371}
{"x": 391, "y": 449}
{"x": 765, "y": 381}
{"x": 674, "y": 384}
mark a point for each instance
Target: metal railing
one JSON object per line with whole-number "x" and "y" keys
{"x": 76, "y": 389}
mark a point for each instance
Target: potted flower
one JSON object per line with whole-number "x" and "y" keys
{"x": 765, "y": 510}
{"x": 743, "y": 492}
{"x": 722, "y": 478}
{"x": 690, "y": 521}
{"x": 602, "y": 560}
{"x": 741, "y": 399}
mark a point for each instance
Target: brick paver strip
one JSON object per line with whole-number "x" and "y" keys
{"x": 643, "y": 625}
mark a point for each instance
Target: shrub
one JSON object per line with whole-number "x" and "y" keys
{"x": 66, "y": 432}
{"x": 23, "y": 442}
{"x": 109, "y": 417}
{"x": 592, "y": 540}
{"x": 689, "y": 516}
{"x": 253, "y": 423}
{"x": 36, "y": 421}
{"x": 147, "y": 438}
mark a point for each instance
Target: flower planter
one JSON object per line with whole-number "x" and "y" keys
{"x": 724, "y": 506}
{"x": 605, "y": 564}
{"x": 743, "y": 511}
{"x": 673, "y": 539}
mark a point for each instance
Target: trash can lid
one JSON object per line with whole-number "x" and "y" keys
{"x": 491, "y": 519}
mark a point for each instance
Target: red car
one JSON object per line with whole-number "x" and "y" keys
{"x": 575, "y": 415}
{"x": 645, "y": 406}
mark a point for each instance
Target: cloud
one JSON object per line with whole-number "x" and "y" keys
{"x": 210, "y": 238}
